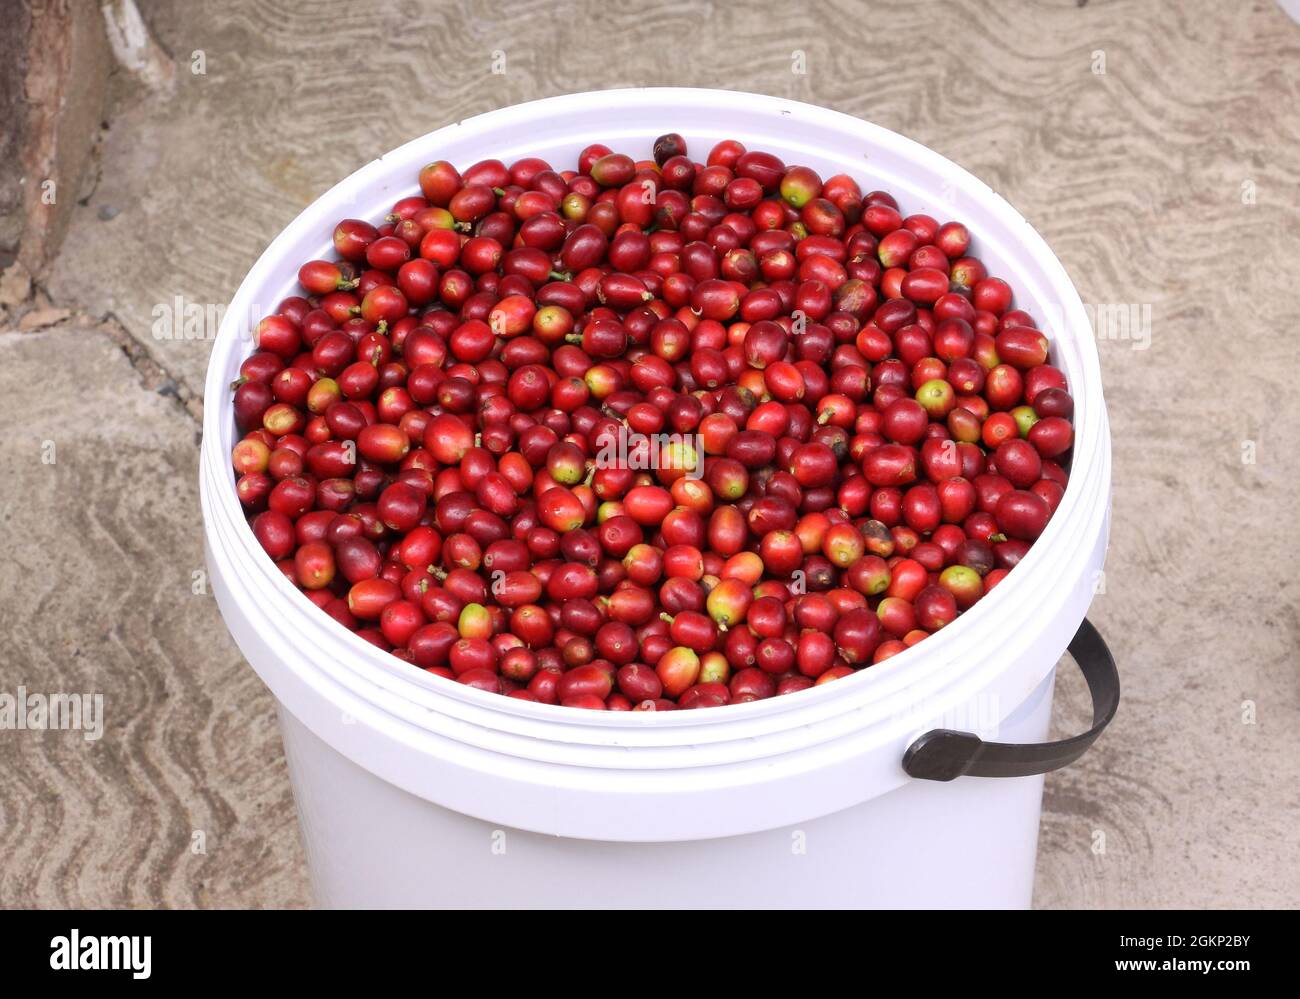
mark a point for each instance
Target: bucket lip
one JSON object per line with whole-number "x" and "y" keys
{"x": 935, "y": 658}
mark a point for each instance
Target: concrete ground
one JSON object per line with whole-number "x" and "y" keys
{"x": 1154, "y": 145}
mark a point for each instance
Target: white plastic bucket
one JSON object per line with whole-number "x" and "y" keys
{"x": 416, "y": 791}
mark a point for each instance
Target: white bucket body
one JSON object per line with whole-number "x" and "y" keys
{"x": 968, "y": 844}
{"x": 416, "y": 791}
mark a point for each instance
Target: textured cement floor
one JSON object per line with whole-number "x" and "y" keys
{"x": 1155, "y": 146}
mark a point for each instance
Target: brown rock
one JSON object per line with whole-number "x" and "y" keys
{"x": 15, "y": 285}
{"x": 40, "y": 318}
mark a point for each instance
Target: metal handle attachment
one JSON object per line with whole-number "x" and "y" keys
{"x": 942, "y": 754}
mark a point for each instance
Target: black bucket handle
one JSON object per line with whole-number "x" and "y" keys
{"x": 942, "y": 754}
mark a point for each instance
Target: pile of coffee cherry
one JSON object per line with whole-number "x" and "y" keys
{"x": 648, "y": 435}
